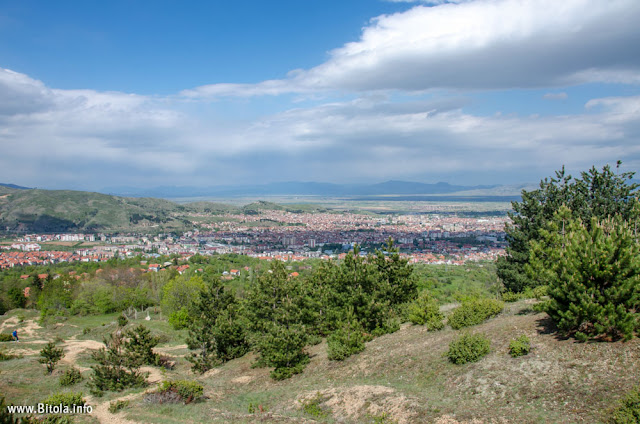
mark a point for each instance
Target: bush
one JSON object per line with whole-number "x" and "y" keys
{"x": 474, "y": 312}
{"x": 7, "y": 356}
{"x": 510, "y": 296}
{"x": 468, "y": 348}
{"x": 65, "y": 398}
{"x": 628, "y": 409}
{"x": 122, "y": 321}
{"x": 425, "y": 311}
{"x": 180, "y": 319}
{"x": 188, "y": 391}
{"x": 520, "y": 346}
{"x": 4, "y": 337}
{"x": 118, "y": 405}
{"x": 50, "y": 356}
{"x": 70, "y": 377}
{"x": 312, "y": 406}
{"x": 347, "y": 340}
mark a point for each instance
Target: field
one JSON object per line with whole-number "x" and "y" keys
{"x": 399, "y": 378}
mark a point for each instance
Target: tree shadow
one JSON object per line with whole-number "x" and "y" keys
{"x": 545, "y": 325}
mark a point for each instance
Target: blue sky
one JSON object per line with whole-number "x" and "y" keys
{"x": 150, "y": 93}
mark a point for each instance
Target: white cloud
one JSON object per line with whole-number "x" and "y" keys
{"x": 89, "y": 139}
{"x": 482, "y": 44}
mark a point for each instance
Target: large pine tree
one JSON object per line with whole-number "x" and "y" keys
{"x": 599, "y": 194}
{"x": 593, "y": 274}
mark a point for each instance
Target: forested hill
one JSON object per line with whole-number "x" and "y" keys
{"x": 65, "y": 210}
{"x": 34, "y": 210}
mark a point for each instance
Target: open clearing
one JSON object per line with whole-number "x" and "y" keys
{"x": 399, "y": 378}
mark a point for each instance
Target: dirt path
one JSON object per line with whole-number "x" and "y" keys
{"x": 73, "y": 348}
{"x": 25, "y": 329}
{"x": 101, "y": 410}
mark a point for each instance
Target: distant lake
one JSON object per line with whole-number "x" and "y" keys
{"x": 496, "y": 199}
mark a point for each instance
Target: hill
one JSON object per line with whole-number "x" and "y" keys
{"x": 399, "y": 378}
{"x": 65, "y": 210}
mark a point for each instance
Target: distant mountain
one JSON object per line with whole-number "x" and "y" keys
{"x": 17, "y": 187}
{"x": 299, "y": 188}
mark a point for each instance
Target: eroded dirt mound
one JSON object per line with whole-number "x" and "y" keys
{"x": 359, "y": 403}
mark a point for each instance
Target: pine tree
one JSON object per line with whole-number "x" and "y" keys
{"x": 598, "y": 194}
{"x": 140, "y": 344}
{"x": 116, "y": 369}
{"x": 216, "y": 335}
{"x": 347, "y": 340}
{"x": 51, "y": 355}
{"x": 593, "y": 272}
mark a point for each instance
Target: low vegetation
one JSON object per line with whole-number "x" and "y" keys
{"x": 71, "y": 377}
{"x": 474, "y": 312}
{"x": 468, "y": 348}
{"x": 520, "y": 346}
{"x": 627, "y": 410}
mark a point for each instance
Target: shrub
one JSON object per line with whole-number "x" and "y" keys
{"x": 180, "y": 319}
{"x": 540, "y": 291}
{"x": 509, "y": 296}
{"x": 50, "y": 356}
{"x": 425, "y": 311}
{"x": 140, "y": 344}
{"x": 70, "y": 377}
{"x": 312, "y": 406}
{"x": 4, "y": 337}
{"x": 7, "y": 356}
{"x": 520, "y": 346}
{"x": 188, "y": 391}
{"x": 475, "y": 312}
{"x": 65, "y": 398}
{"x": 256, "y": 407}
{"x": 118, "y": 405}
{"x": 347, "y": 340}
{"x": 468, "y": 348}
{"x": 122, "y": 321}
{"x": 628, "y": 409}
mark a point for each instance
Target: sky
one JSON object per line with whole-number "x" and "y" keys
{"x": 143, "y": 93}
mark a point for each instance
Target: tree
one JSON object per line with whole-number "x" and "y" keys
{"x": 116, "y": 369}
{"x": 17, "y": 297}
{"x": 216, "y": 333}
{"x": 51, "y": 355}
{"x": 592, "y": 272}
{"x": 279, "y": 321}
{"x": 140, "y": 344}
{"x": 178, "y": 295}
{"x": 598, "y": 194}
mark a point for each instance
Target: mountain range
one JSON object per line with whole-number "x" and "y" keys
{"x": 298, "y": 188}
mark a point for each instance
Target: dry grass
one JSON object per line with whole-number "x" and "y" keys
{"x": 404, "y": 378}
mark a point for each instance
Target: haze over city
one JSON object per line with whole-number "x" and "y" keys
{"x": 148, "y": 93}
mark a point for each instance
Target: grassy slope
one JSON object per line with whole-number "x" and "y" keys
{"x": 66, "y": 210}
{"x": 403, "y": 375}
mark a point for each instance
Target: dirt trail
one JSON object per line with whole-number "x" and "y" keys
{"x": 169, "y": 349}
{"x": 101, "y": 410}
{"x": 25, "y": 329}
{"x": 73, "y": 348}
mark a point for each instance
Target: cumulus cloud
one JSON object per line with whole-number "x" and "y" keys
{"x": 89, "y": 139}
{"x": 482, "y": 44}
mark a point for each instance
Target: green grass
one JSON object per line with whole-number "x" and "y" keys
{"x": 404, "y": 374}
